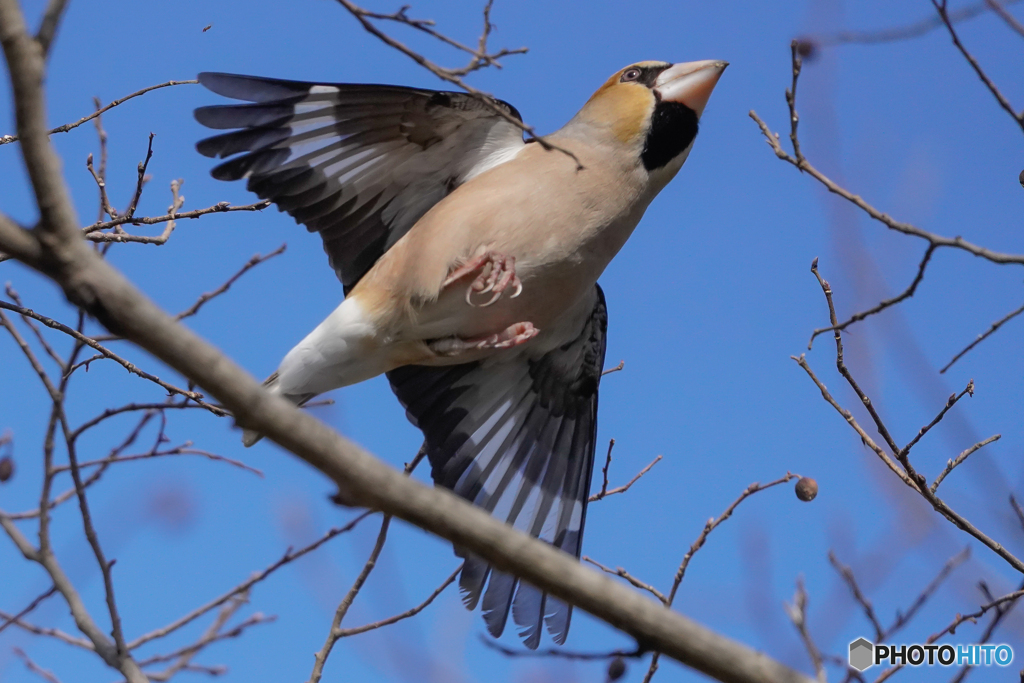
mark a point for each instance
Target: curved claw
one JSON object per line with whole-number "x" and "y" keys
{"x": 498, "y": 277}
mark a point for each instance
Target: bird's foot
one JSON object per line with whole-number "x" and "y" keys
{"x": 513, "y": 335}
{"x": 495, "y": 274}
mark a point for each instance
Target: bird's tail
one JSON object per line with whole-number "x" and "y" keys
{"x": 251, "y": 437}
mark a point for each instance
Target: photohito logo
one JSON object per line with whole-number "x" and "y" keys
{"x": 865, "y": 654}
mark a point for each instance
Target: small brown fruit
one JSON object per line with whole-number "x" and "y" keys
{"x": 806, "y": 489}
{"x": 6, "y": 468}
{"x": 616, "y": 669}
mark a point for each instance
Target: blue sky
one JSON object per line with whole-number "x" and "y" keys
{"x": 707, "y": 302}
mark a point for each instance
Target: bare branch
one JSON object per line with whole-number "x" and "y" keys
{"x": 1018, "y": 510}
{"x": 908, "y": 475}
{"x": 950, "y": 402}
{"x": 957, "y": 621}
{"x": 1008, "y": 18}
{"x": 48, "y": 632}
{"x": 906, "y": 294}
{"x": 35, "y": 668}
{"x": 289, "y": 557}
{"x": 560, "y": 653}
{"x": 454, "y": 76}
{"x": 107, "y": 353}
{"x": 982, "y": 337}
{"x": 27, "y": 610}
{"x": 143, "y": 178}
{"x": 222, "y": 207}
{"x": 890, "y": 35}
{"x": 344, "y": 633}
{"x": 249, "y": 265}
{"x": 320, "y": 658}
{"x": 801, "y": 163}
{"x": 710, "y": 526}
{"x": 940, "y": 7}
{"x": 903, "y": 618}
{"x": 798, "y": 615}
{"x": 1001, "y": 612}
{"x": 51, "y": 20}
{"x": 605, "y": 492}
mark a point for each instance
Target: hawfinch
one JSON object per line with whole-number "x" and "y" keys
{"x": 469, "y": 259}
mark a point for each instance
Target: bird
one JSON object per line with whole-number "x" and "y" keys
{"x": 468, "y": 254}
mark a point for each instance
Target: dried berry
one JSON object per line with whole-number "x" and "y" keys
{"x": 616, "y": 669}
{"x": 6, "y": 468}
{"x": 806, "y": 489}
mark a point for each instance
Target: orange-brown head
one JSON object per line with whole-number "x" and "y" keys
{"x": 653, "y": 105}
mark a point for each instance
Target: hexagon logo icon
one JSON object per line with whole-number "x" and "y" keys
{"x": 862, "y": 654}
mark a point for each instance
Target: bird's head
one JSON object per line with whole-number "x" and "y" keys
{"x": 653, "y": 107}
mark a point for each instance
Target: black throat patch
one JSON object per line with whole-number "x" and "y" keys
{"x": 673, "y": 128}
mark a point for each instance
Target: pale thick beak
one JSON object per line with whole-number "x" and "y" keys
{"x": 690, "y": 83}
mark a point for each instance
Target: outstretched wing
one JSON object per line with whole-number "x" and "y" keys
{"x": 516, "y": 435}
{"x": 359, "y": 164}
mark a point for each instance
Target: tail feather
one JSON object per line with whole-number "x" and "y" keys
{"x": 251, "y": 437}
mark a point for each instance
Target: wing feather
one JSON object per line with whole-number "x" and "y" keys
{"x": 515, "y": 434}
{"x": 360, "y": 164}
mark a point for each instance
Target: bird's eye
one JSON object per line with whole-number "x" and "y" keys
{"x": 630, "y": 75}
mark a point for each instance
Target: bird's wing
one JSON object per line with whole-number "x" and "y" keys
{"x": 515, "y": 435}
{"x": 360, "y": 164}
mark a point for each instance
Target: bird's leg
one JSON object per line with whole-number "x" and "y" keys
{"x": 513, "y": 335}
{"x": 496, "y": 273}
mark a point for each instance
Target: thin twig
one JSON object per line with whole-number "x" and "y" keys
{"x": 605, "y": 491}
{"x": 107, "y": 353}
{"x": 35, "y": 668}
{"x": 13, "y": 294}
{"x": 27, "y": 610}
{"x": 851, "y": 581}
{"x": 940, "y": 7}
{"x": 617, "y": 368}
{"x": 619, "y": 571}
{"x": 950, "y": 402}
{"x": 454, "y": 76}
{"x": 903, "y": 618}
{"x": 288, "y": 557}
{"x": 956, "y": 462}
{"x": 997, "y": 618}
{"x": 49, "y": 632}
{"x": 908, "y": 474}
{"x": 177, "y": 450}
{"x": 881, "y": 217}
{"x": 798, "y": 615}
{"x": 953, "y": 625}
{"x": 983, "y": 336}
{"x": 709, "y": 526}
{"x": 1008, "y": 18}
{"x": 249, "y": 265}
{"x": 905, "y": 294}
{"x": 560, "y": 653}
{"x": 7, "y": 139}
{"x": 344, "y": 633}
{"x": 222, "y": 207}
{"x": 320, "y": 658}
{"x": 890, "y": 35}
{"x": 1018, "y": 510}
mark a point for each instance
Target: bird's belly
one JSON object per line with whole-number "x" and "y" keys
{"x": 550, "y": 287}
